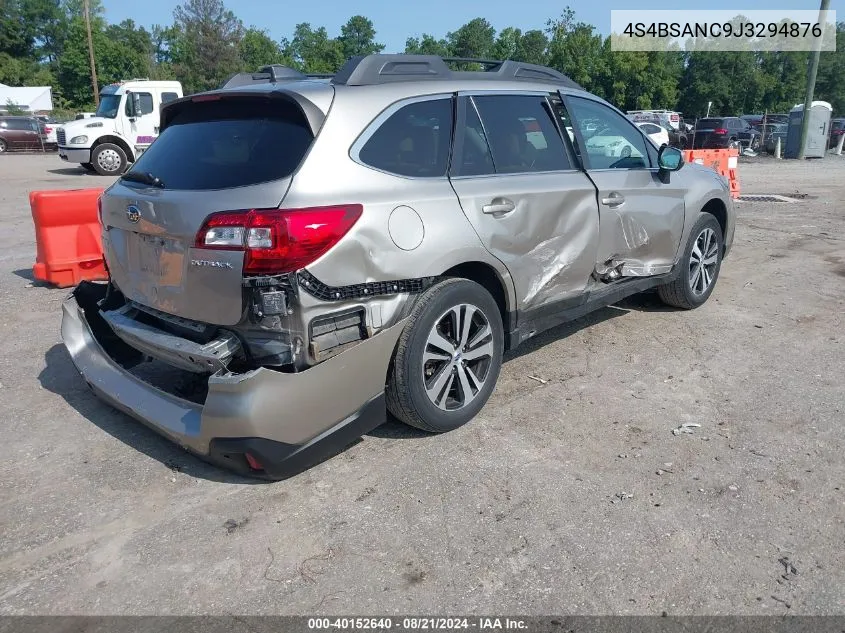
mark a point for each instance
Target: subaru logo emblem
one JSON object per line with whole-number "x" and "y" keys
{"x": 133, "y": 213}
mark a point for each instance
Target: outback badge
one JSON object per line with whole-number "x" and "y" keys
{"x": 207, "y": 263}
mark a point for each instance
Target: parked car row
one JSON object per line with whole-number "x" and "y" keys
{"x": 26, "y": 133}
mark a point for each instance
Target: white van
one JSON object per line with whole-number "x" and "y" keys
{"x": 126, "y": 122}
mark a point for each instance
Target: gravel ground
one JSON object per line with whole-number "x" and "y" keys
{"x": 570, "y": 496}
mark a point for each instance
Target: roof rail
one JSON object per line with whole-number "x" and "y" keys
{"x": 273, "y": 73}
{"x": 367, "y": 70}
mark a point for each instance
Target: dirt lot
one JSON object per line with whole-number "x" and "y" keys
{"x": 571, "y": 496}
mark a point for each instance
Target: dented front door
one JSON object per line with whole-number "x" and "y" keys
{"x": 641, "y": 211}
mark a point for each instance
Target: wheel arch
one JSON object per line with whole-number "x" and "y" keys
{"x": 116, "y": 140}
{"x": 489, "y": 278}
{"x": 717, "y": 208}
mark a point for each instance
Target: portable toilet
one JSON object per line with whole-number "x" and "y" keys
{"x": 817, "y": 132}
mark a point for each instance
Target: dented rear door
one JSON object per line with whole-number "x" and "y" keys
{"x": 641, "y": 211}
{"x": 529, "y": 204}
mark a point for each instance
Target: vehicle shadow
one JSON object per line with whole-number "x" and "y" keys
{"x": 647, "y": 301}
{"x": 394, "y": 429}
{"x": 70, "y": 171}
{"x": 61, "y": 377}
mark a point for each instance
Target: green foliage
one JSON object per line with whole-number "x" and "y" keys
{"x": 257, "y": 49}
{"x": 43, "y": 42}
{"x": 206, "y": 49}
{"x": 358, "y": 37}
{"x": 830, "y": 85}
{"x": 13, "y": 109}
{"x": 314, "y": 51}
{"x": 427, "y": 45}
{"x": 474, "y": 39}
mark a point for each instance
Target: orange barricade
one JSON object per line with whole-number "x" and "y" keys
{"x": 67, "y": 236}
{"x": 724, "y": 161}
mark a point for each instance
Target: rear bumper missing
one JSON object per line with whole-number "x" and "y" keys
{"x": 285, "y": 421}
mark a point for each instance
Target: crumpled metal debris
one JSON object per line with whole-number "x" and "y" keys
{"x": 686, "y": 427}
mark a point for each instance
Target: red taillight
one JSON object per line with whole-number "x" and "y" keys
{"x": 720, "y": 131}
{"x": 201, "y": 98}
{"x": 47, "y": 130}
{"x": 278, "y": 240}
{"x": 253, "y": 462}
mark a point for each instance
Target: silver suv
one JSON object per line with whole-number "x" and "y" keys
{"x": 293, "y": 257}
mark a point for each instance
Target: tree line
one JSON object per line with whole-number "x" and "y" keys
{"x": 44, "y": 42}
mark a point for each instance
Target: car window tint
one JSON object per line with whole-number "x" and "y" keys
{"x": 476, "y": 158}
{"x": 414, "y": 141}
{"x": 521, "y": 132}
{"x": 228, "y": 143}
{"x": 167, "y": 97}
{"x": 19, "y": 124}
{"x": 610, "y": 140}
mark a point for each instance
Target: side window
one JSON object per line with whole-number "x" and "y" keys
{"x": 475, "y": 156}
{"x": 521, "y": 133}
{"x": 610, "y": 140}
{"x": 146, "y": 103}
{"x": 167, "y": 97}
{"x": 414, "y": 141}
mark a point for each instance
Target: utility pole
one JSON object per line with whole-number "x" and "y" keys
{"x": 811, "y": 80}
{"x": 91, "y": 54}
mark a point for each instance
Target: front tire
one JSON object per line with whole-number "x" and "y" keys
{"x": 448, "y": 357}
{"x": 108, "y": 159}
{"x": 699, "y": 266}
{"x": 3, "y": 146}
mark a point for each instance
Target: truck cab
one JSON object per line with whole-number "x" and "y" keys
{"x": 125, "y": 124}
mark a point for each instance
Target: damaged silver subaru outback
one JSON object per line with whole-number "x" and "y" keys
{"x": 295, "y": 256}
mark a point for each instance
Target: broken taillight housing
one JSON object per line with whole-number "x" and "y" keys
{"x": 278, "y": 240}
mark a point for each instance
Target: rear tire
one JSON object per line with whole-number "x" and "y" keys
{"x": 108, "y": 159}
{"x": 699, "y": 266}
{"x": 448, "y": 357}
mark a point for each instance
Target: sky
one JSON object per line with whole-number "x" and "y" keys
{"x": 436, "y": 17}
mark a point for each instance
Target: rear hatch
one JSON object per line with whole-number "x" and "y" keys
{"x": 228, "y": 153}
{"x": 709, "y": 131}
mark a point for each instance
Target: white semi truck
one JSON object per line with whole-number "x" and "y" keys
{"x": 126, "y": 122}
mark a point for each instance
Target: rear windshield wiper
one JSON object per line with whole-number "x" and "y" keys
{"x": 143, "y": 177}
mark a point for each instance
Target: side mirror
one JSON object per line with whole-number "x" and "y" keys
{"x": 670, "y": 158}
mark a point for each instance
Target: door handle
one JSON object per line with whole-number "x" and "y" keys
{"x": 614, "y": 200}
{"x": 499, "y": 206}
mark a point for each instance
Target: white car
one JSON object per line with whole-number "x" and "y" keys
{"x": 608, "y": 144}
{"x": 655, "y": 132}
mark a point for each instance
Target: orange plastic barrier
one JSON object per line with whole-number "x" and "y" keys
{"x": 67, "y": 236}
{"x": 724, "y": 161}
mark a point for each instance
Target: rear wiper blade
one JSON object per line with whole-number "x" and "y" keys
{"x": 143, "y": 177}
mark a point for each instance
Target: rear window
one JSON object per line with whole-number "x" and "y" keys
{"x": 714, "y": 123}
{"x": 839, "y": 124}
{"x": 414, "y": 141}
{"x": 228, "y": 143}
